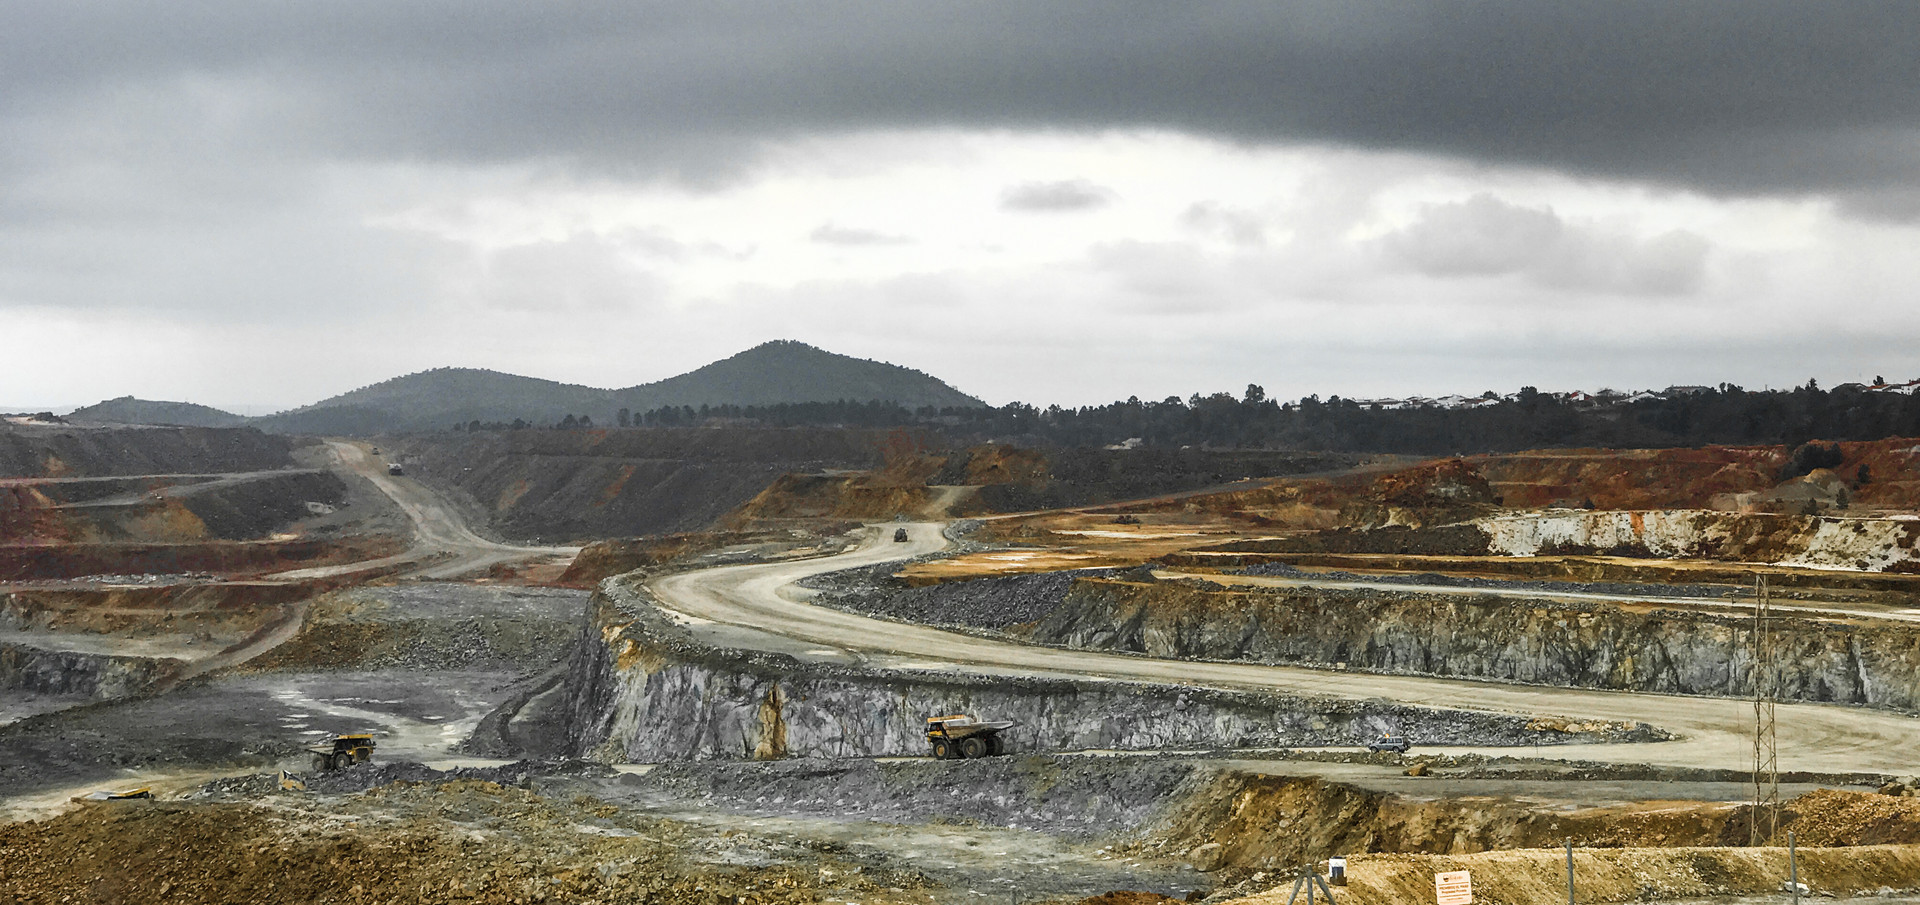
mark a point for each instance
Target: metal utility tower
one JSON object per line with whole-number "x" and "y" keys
{"x": 1765, "y": 817}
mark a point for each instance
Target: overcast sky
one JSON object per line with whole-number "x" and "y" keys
{"x": 258, "y": 205}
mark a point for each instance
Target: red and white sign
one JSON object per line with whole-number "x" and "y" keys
{"x": 1454, "y": 887}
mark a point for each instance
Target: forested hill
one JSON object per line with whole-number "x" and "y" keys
{"x": 791, "y": 372}
{"x": 774, "y": 373}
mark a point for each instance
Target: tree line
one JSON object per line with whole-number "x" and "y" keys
{"x": 1726, "y": 414}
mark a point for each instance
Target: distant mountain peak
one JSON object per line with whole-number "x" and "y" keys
{"x": 771, "y": 373}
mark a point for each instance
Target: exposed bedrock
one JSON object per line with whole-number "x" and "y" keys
{"x": 640, "y": 689}
{"x": 1490, "y": 637}
{"x": 1808, "y": 541}
{"x": 100, "y": 676}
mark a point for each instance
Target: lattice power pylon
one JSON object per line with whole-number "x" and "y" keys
{"x": 1766, "y": 693}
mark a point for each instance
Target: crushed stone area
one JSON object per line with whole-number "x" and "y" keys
{"x": 1078, "y": 798}
{"x": 929, "y": 852}
{"x": 1055, "y": 830}
{"x": 258, "y": 720}
{"x": 1704, "y": 591}
{"x": 434, "y": 626}
{"x": 982, "y": 603}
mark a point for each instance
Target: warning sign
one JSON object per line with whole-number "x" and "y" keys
{"x": 1454, "y": 887}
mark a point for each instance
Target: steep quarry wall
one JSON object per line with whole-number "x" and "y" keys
{"x": 237, "y": 509}
{"x": 223, "y": 610}
{"x": 1489, "y": 637}
{"x": 641, "y": 689}
{"x": 620, "y": 483}
{"x": 30, "y": 562}
{"x": 1806, "y": 541}
{"x": 63, "y": 452}
{"x": 100, "y": 676}
{"x": 1819, "y": 542}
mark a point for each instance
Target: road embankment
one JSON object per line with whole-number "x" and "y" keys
{"x": 641, "y": 689}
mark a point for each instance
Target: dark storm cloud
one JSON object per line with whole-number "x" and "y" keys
{"x": 1741, "y": 96}
{"x": 1047, "y": 197}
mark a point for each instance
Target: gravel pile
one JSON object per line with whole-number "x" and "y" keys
{"x": 990, "y": 603}
{"x": 1286, "y": 570}
{"x": 371, "y": 776}
{"x": 1078, "y": 798}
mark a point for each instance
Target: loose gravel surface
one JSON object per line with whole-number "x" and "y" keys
{"x": 1079, "y": 798}
{"x": 986, "y": 603}
{"x": 1285, "y": 570}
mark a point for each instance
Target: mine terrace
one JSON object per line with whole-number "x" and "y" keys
{"x": 731, "y": 659}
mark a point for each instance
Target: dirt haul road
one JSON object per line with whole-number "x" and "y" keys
{"x": 442, "y": 543}
{"x": 1714, "y": 732}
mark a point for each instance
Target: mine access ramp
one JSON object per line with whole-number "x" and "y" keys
{"x": 963, "y": 736}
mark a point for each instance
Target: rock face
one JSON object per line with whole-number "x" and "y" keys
{"x": 1807, "y": 541}
{"x": 59, "y": 452}
{"x": 31, "y": 669}
{"x": 1862, "y": 544}
{"x": 622, "y": 483}
{"x": 1489, "y": 637}
{"x": 640, "y": 689}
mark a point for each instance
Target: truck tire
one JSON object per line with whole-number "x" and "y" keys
{"x": 322, "y": 763}
{"x": 996, "y": 746}
{"x": 941, "y": 750}
{"x": 342, "y": 761}
{"x": 362, "y": 755}
{"x": 973, "y": 746}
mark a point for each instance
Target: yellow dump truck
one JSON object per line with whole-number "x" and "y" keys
{"x": 963, "y": 736}
{"x": 341, "y": 752}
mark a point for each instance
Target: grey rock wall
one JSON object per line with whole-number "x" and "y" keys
{"x": 1490, "y": 637}
{"x": 639, "y": 689}
{"x": 33, "y": 669}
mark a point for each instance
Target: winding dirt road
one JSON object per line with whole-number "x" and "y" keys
{"x": 765, "y": 609}
{"x": 443, "y": 546}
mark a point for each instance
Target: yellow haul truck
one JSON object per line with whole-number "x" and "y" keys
{"x": 964, "y": 736}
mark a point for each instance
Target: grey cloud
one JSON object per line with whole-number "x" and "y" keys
{"x": 1237, "y": 226}
{"x": 1066, "y": 195}
{"x": 1485, "y": 236}
{"x": 830, "y": 234}
{"x": 580, "y": 274}
{"x": 1723, "y": 95}
{"x": 1480, "y": 236}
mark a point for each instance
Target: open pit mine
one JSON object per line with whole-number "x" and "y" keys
{"x": 747, "y": 665}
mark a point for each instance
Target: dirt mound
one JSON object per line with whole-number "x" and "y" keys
{"x": 431, "y": 627}
{"x": 604, "y": 559}
{"x": 625, "y": 483}
{"x": 1079, "y": 798}
{"x": 1128, "y": 897}
{"x": 165, "y": 512}
{"x": 233, "y": 559}
{"x": 1018, "y": 480}
{"x": 994, "y": 603}
{"x": 1622, "y": 875}
{"x": 1834, "y": 817}
{"x": 73, "y": 452}
{"x": 833, "y": 496}
{"x": 1273, "y": 823}
{"x": 465, "y": 841}
{"x": 1447, "y": 540}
